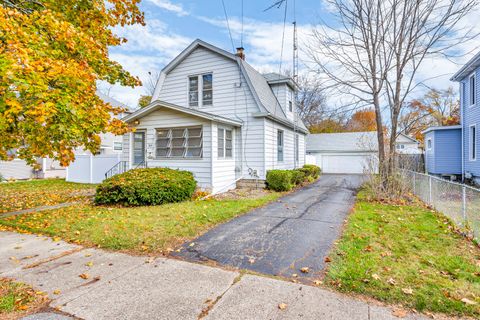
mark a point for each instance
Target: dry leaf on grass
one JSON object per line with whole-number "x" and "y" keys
{"x": 391, "y": 281}
{"x": 407, "y": 290}
{"x": 375, "y": 276}
{"x": 468, "y": 301}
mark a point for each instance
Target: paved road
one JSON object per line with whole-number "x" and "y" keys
{"x": 126, "y": 287}
{"x": 294, "y": 232}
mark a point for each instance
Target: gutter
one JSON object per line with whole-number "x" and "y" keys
{"x": 284, "y": 122}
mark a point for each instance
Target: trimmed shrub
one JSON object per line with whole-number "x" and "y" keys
{"x": 298, "y": 176}
{"x": 280, "y": 180}
{"x": 311, "y": 170}
{"x": 150, "y": 186}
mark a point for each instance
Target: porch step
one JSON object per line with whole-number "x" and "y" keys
{"x": 251, "y": 184}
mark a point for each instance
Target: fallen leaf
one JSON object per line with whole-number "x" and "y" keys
{"x": 375, "y": 276}
{"x": 468, "y": 301}
{"x": 400, "y": 313}
{"x": 56, "y": 291}
{"x": 251, "y": 261}
{"x": 23, "y": 307}
{"x": 327, "y": 259}
{"x": 282, "y": 306}
{"x": 305, "y": 269}
{"x": 391, "y": 281}
{"x": 407, "y": 290}
{"x": 317, "y": 282}
{"x": 191, "y": 244}
{"x": 84, "y": 276}
{"x": 89, "y": 264}
{"x": 294, "y": 275}
{"x": 88, "y": 255}
{"x": 368, "y": 249}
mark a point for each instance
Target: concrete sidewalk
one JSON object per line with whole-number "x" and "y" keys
{"x": 119, "y": 286}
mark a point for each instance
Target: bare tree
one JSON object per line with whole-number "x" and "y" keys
{"x": 150, "y": 83}
{"x": 311, "y": 102}
{"x": 374, "y": 52}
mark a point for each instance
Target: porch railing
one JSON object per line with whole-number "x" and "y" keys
{"x": 120, "y": 167}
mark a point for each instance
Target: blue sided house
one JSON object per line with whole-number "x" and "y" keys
{"x": 453, "y": 150}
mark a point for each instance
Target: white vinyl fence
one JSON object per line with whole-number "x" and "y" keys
{"x": 459, "y": 202}
{"x": 91, "y": 169}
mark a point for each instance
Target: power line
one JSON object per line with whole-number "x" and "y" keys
{"x": 228, "y": 25}
{"x": 283, "y": 34}
{"x": 241, "y": 36}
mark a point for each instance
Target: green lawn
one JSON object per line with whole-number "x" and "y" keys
{"x": 409, "y": 255}
{"x": 154, "y": 229}
{"x": 17, "y": 299}
{"x": 33, "y": 193}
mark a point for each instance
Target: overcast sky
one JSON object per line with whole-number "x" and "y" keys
{"x": 171, "y": 25}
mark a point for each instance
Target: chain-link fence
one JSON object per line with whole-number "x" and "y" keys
{"x": 459, "y": 202}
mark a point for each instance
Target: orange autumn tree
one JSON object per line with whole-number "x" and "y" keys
{"x": 52, "y": 54}
{"x": 362, "y": 120}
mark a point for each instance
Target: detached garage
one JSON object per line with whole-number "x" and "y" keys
{"x": 347, "y": 152}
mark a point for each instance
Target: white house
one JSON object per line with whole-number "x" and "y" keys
{"x": 110, "y": 145}
{"x": 214, "y": 115}
{"x": 407, "y": 145}
{"x": 345, "y": 152}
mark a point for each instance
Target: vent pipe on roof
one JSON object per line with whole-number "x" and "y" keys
{"x": 240, "y": 53}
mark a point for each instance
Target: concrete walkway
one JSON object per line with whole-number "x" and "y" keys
{"x": 294, "y": 232}
{"x": 119, "y": 286}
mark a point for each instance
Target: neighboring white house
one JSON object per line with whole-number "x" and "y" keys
{"x": 407, "y": 145}
{"x": 214, "y": 115}
{"x": 111, "y": 145}
{"x": 346, "y": 152}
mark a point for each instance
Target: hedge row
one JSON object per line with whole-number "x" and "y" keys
{"x": 150, "y": 186}
{"x": 285, "y": 180}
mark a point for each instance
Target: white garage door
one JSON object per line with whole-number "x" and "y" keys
{"x": 345, "y": 163}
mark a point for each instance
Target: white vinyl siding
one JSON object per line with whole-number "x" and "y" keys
{"x": 164, "y": 118}
{"x": 15, "y": 169}
{"x": 288, "y": 148}
{"x": 223, "y": 169}
{"x": 231, "y": 99}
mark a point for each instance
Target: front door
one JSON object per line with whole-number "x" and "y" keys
{"x": 138, "y": 148}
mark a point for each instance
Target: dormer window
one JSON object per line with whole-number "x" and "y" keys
{"x": 200, "y": 86}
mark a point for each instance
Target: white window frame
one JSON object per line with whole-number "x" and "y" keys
{"x": 200, "y": 101}
{"x": 224, "y": 148}
{"x": 185, "y": 143}
{"x": 280, "y": 147}
{"x": 429, "y": 144}
{"x": 472, "y": 143}
{"x": 117, "y": 143}
{"x": 472, "y": 90}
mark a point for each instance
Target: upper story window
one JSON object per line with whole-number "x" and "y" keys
{"x": 429, "y": 144}
{"x": 200, "y": 90}
{"x": 225, "y": 145}
{"x": 472, "y": 90}
{"x": 179, "y": 142}
{"x": 279, "y": 145}
{"x": 290, "y": 106}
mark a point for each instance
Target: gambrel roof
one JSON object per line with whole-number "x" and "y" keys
{"x": 257, "y": 83}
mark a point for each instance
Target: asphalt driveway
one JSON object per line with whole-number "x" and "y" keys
{"x": 294, "y": 232}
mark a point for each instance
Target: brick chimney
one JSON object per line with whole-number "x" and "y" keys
{"x": 240, "y": 53}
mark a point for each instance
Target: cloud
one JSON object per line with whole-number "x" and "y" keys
{"x": 148, "y": 49}
{"x": 263, "y": 41}
{"x": 169, "y": 6}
